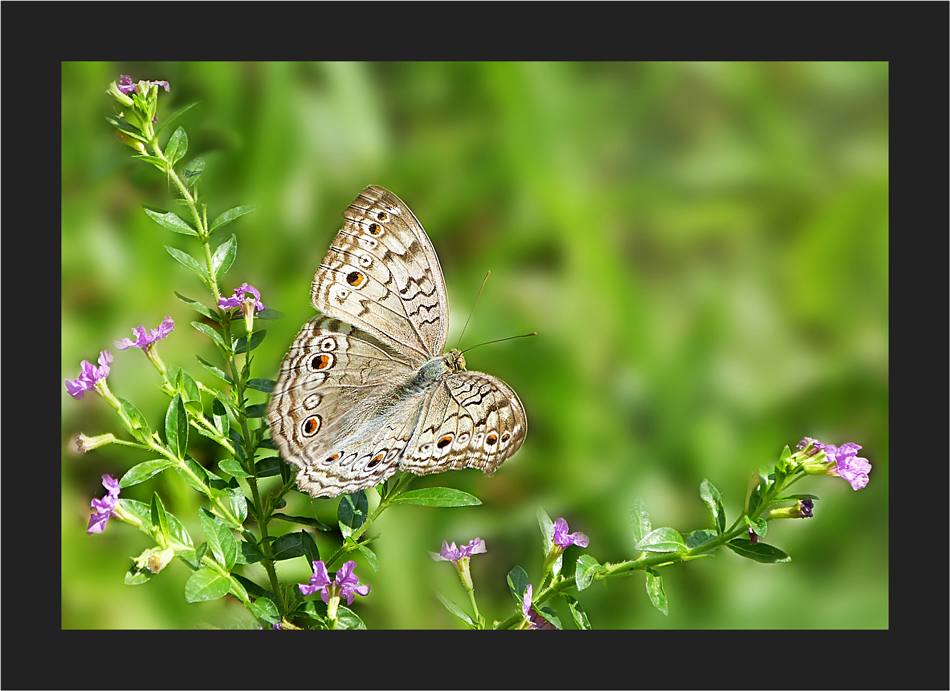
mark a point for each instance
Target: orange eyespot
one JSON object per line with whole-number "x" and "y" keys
{"x": 492, "y": 439}
{"x": 505, "y": 437}
{"x": 444, "y": 441}
{"x": 320, "y": 362}
{"x": 382, "y": 215}
{"x": 376, "y": 460}
{"x": 374, "y": 229}
{"x": 332, "y": 459}
{"x": 310, "y": 425}
{"x": 355, "y": 279}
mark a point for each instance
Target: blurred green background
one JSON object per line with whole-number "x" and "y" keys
{"x": 702, "y": 248}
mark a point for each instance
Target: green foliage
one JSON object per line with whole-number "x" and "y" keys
{"x": 663, "y": 215}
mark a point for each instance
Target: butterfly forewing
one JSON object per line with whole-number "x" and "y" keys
{"x": 382, "y": 275}
{"x": 365, "y": 390}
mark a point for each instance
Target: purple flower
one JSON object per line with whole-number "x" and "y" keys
{"x": 537, "y": 621}
{"x": 126, "y": 85}
{"x": 847, "y": 463}
{"x": 143, "y": 338}
{"x": 240, "y": 299}
{"x": 564, "y": 539}
{"x": 806, "y": 508}
{"x": 89, "y": 375}
{"x": 344, "y": 585}
{"x": 104, "y": 507}
{"x": 453, "y": 553}
{"x": 753, "y": 538}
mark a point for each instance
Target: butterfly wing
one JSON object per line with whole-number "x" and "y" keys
{"x": 330, "y": 415}
{"x": 472, "y": 420}
{"x": 382, "y": 276}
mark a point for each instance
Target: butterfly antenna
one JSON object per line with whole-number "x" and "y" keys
{"x": 473, "y": 309}
{"x": 498, "y": 340}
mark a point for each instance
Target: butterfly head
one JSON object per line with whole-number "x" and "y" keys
{"x": 454, "y": 360}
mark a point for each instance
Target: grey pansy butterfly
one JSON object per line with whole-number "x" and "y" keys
{"x": 365, "y": 389}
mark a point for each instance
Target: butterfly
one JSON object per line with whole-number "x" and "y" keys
{"x": 366, "y": 389}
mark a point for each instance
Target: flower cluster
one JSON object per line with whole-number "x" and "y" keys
{"x": 345, "y": 584}
{"x": 104, "y": 507}
{"x": 143, "y": 338}
{"x": 127, "y": 86}
{"x": 841, "y": 461}
{"x": 246, "y": 297}
{"x": 90, "y": 375}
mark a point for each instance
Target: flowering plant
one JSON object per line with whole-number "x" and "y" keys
{"x": 238, "y": 553}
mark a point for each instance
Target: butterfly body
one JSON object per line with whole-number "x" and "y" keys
{"x": 365, "y": 389}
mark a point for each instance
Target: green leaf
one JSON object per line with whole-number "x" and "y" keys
{"x": 587, "y": 567}
{"x": 304, "y": 520}
{"x": 138, "y": 426}
{"x": 220, "y": 416}
{"x": 370, "y": 555}
{"x": 220, "y": 539}
{"x": 211, "y": 333}
{"x": 165, "y": 122}
{"x": 547, "y": 530}
{"x": 250, "y": 587}
{"x": 517, "y": 583}
{"x": 265, "y": 385}
{"x": 154, "y": 160}
{"x": 251, "y": 552}
{"x": 437, "y": 497}
{"x": 177, "y": 146}
{"x": 176, "y": 427}
{"x": 762, "y": 553}
{"x": 271, "y": 314}
{"x": 698, "y": 538}
{"x": 550, "y": 615}
{"x": 238, "y": 503}
{"x": 346, "y": 619}
{"x": 287, "y": 547}
{"x": 229, "y": 216}
{"x": 713, "y": 500}
{"x": 137, "y": 575}
{"x": 140, "y": 510}
{"x": 656, "y": 592}
{"x": 220, "y": 374}
{"x": 640, "y": 519}
{"x": 144, "y": 471}
{"x": 191, "y": 172}
{"x": 265, "y": 610}
{"x": 241, "y": 346}
{"x": 187, "y": 386}
{"x": 796, "y": 497}
{"x": 232, "y": 468}
{"x": 173, "y": 222}
{"x": 206, "y": 584}
{"x": 353, "y": 510}
{"x": 662, "y": 540}
{"x": 256, "y": 411}
{"x": 158, "y": 516}
{"x": 188, "y": 261}
{"x": 197, "y": 306}
{"x": 580, "y": 616}
{"x": 180, "y": 539}
{"x": 455, "y": 610}
{"x": 759, "y": 526}
{"x": 310, "y": 549}
{"x": 223, "y": 257}
{"x": 266, "y": 467}
{"x": 196, "y": 470}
